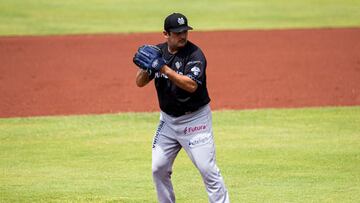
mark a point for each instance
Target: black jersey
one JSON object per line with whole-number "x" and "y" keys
{"x": 189, "y": 61}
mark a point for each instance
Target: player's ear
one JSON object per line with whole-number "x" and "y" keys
{"x": 166, "y": 34}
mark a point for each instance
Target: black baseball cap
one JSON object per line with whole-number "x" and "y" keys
{"x": 176, "y": 22}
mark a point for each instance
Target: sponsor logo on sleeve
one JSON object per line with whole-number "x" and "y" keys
{"x": 195, "y": 70}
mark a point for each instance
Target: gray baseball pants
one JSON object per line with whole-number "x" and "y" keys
{"x": 193, "y": 132}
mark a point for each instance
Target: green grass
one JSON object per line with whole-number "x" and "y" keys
{"x": 48, "y": 17}
{"x": 288, "y": 155}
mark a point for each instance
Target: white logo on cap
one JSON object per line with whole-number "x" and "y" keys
{"x": 181, "y": 21}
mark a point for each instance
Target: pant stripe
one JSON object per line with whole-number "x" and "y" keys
{"x": 156, "y": 138}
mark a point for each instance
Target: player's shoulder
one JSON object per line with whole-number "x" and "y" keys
{"x": 194, "y": 51}
{"x": 191, "y": 47}
{"x": 162, "y": 46}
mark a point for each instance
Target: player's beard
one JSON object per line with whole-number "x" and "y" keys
{"x": 181, "y": 43}
{"x": 174, "y": 46}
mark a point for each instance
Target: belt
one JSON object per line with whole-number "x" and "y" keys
{"x": 178, "y": 114}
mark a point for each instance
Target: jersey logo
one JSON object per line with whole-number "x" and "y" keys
{"x": 181, "y": 21}
{"x": 160, "y": 75}
{"x": 195, "y": 70}
{"x": 178, "y": 64}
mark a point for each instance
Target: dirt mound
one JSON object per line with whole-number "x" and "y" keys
{"x": 92, "y": 74}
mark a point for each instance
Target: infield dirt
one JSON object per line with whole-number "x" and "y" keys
{"x": 92, "y": 74}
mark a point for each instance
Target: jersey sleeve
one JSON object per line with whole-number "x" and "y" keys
{"x": 151, "y": 75}
{"x": 195, "y": 67}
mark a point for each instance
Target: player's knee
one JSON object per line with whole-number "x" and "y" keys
{"x": 160, "y": 171}
{"x": 209, "y": 171}
{"x": 205, "y": 171}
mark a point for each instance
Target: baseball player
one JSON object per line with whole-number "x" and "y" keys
{"x": 178, "y": 68}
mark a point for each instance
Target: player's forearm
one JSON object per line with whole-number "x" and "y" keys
{"x": 181, "y": 81}
{"x": 142, "y": 78}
